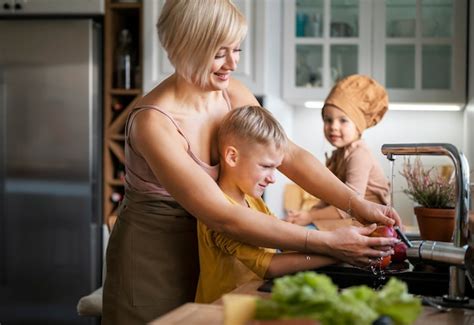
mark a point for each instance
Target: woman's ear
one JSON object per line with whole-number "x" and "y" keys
{"x": 231, "y": 156}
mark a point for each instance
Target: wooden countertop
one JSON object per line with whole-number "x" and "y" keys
{"x": 213, "y": 314}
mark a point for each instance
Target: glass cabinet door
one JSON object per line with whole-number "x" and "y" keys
{"x": 325, "y": 40}
{"x": 419, "y": 54}
{"x": 344, "y": 18}
{"x": 309, "y": 15}
{"x": 309, "y": 62}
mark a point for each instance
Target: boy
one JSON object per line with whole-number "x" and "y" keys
{"x": 251, "y": 146}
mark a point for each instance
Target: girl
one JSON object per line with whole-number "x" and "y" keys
{"x": 354, "y": 104}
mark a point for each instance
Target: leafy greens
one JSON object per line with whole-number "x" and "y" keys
{"x": 315, "y": 296}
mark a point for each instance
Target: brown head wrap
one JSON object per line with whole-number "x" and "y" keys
{"x": 361, "y": 98}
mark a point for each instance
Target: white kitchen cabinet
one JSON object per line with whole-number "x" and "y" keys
{"x": 420, "y": 49}
{"x": 156, "y": 66}
{"x": 324, "y": 41}
{"x": 415, "y": 48}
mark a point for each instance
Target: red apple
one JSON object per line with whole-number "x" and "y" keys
{"x": 384, "y": 231}
{"x": 385, "y": 261}
{"x": 400, "y": 252}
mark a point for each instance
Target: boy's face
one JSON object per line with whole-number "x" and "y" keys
{"x": 339, "y": 130}
{"x": 254, "y": 168}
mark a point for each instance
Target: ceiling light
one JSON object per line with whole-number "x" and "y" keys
{"x": 424, "y": 107}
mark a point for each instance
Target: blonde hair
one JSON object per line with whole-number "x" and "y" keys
{"x": 252, "y": 124}
{"x": 193, "y": 31}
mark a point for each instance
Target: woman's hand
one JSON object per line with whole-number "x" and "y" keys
{"x": 301, "y": 218}
{"x": 370, "y": 212}
{"x": 352, "y": 244}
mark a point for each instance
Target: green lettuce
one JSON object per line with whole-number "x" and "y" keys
{"x": 395, "y": 301}
{"x": 314, "y": 296}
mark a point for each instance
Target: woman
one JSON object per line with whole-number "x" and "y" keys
{"x": 171, "y": 172}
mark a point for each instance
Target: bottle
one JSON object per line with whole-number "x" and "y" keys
{"x": 125, "y": 61}
{"x": 116, "y": 197}
{"x": 301, "y": 21}
{"x": 117, "y": 106}
{"x": 120, "y": 172}
{"x": 317, "y": 25}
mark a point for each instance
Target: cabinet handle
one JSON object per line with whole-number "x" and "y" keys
{"x": 6, "y": 6}
{"x": 18, "y": 6}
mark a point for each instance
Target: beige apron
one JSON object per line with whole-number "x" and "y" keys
{"x": 152, "y": 260}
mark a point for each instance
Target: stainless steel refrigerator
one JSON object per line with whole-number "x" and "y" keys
{"x": 50, "y": 167}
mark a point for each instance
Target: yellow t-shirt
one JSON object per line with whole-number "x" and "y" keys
{"x": 227, "y": 263}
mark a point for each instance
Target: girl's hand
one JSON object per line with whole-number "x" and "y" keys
{"x": 301, "y": 218}
{"x": 370, "y": 212}
{"x": 352, "y": 245}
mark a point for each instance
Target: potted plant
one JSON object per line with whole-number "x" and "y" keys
{"x": 435, "y": 195}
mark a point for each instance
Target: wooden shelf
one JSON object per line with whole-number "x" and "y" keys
{"x": 118, "y": 16}
{"x": 117, "y": 137}
{"x": 116, "y": 182}
{"x": 130, "y": 92}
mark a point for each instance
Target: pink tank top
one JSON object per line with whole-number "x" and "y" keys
{"x": 138, "y": 175}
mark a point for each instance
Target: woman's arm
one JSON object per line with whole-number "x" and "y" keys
{"x": 305, "y": 170}
{"x": 357, "y": 168}
{"x": 286, "y": 263}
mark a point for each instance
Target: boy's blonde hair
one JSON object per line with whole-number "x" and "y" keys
{"x": 193, "y": 31}
{"x": 252, "y": 124}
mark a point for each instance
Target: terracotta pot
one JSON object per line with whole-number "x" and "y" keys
{"x": 435, "y": 224}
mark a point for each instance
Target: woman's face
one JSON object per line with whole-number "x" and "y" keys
{"x": 224, "y": 63}
{"x": 339, "y": 130}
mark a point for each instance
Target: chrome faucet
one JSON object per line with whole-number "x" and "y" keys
{"x": 458, "y": 254}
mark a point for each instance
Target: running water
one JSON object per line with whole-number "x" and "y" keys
{"x": 376, "y": 269}
{"x": 392, "y": 175}
{"x": 378, "y": 273}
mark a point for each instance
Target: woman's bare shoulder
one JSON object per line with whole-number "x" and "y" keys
{"x": 240, "y": 95}
{"x": 152, "y": 129}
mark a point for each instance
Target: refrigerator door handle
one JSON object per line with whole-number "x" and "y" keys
{"x": 3, "y": 257}
{"x": 95, "y": 122}
{"x": 96, "y": 155}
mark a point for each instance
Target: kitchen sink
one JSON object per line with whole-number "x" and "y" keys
{"x": 421, "y": 279}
